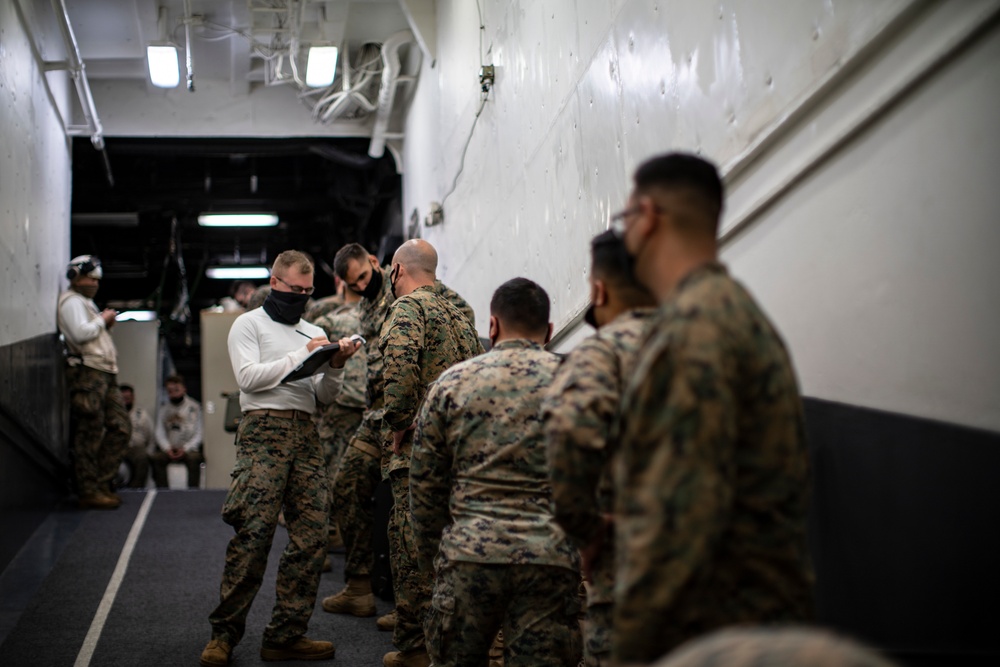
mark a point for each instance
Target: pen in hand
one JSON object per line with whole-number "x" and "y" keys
{"x": 304, "y": 334}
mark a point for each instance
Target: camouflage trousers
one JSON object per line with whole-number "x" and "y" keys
{"x": 535, "y": 605}
{"x": 101, "y": 428}
{"x": 279, "y": 463}
{"x": 336, "y": 426}
{"x": 352, "y": 507}
{"x": 410, "y": 586}
{"x": 597, "y": 635}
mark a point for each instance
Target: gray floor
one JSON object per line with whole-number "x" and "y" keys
{"x": 52, "y": 589}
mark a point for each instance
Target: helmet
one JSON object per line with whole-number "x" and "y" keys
{"x": 84, "y": 265}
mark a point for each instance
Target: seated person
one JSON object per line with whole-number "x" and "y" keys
{"x": 140, "y": 446}
{"x": 178, "y": 434}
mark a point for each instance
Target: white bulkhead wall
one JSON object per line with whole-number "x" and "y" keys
{"x": 34, "y": 179}
{"x": 856, "y": 139}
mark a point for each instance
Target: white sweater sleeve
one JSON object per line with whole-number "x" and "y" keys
{"x": 81, "y": 324}
{"x": 253, "y": 375}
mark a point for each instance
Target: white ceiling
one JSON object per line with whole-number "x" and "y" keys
{"x": 113, "y": 34}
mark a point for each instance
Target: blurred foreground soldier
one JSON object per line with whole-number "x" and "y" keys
{"x": 178, "y": 434}
{"x": 774, "y": 647}
{"x": 424, "y": 335}
{"x": 480, "y": 499}
{"x": 279, "y": 463}
{"x": 361, "y": 464}
{"x": 142, "y": 438}
{"x": 580, "y": 413}
{"x": 711, "y": 488}
{"x": 101, "y": 428}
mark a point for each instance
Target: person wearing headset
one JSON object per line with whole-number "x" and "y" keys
{"x": 101, "y": 428}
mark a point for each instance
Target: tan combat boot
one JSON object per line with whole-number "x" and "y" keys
{"x": 356, "y": 599}
{"x": 216, "y": 654}
{"x": 415, "y": 658}
{"x": 387, "y": 622}
{"x": 98, "y": 501}
{"x": 302, "y": 648}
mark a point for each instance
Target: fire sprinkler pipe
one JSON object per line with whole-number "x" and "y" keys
{"x": 387, "y": 91}
{"x": 74, "y": 63}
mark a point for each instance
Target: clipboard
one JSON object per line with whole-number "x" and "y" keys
{"x": 313, "y": 363}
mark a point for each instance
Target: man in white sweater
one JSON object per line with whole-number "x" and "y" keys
{"x": 279, "y": 464}
{"x": 178, "y": 434}
{"x": 101, "y": 425}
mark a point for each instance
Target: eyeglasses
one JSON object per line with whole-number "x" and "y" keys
{"x": 616, "y": 223}
{"x": 296, "y": 288}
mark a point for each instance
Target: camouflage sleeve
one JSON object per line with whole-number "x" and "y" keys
{"x": 430, "y": 477}
{"x": 400, "y": 345}
{"x": 678, "y": 459}
{"x": 456, "y": 300}
{"x": 579, "y": 410}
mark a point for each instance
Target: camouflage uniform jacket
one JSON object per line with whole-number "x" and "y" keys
{"x": 373, "y": 313}
{"x": 343, "y": 322}
{"x": 711, "y": 481}
{"x": 479, "y": 481}
{"x": 424, "y": 335}
{"x": 580, "y": 413}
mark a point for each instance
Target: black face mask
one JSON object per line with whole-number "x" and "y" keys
{"x": 590, "y": 318}
{"x": 128, "y": 406}
{"x": 177, "y": 401}
{"x": 285, "y": 307}
{"x": 89, "y": 291}
{"x": 374, "y": 285}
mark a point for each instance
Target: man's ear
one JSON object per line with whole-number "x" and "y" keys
{"x": 600, "y": 293}
{"x": 548, "y": 334}
{"x": 494, "y": 327}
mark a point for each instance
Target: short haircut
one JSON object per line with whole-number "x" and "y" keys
{"x": 351, "y": 251}
{"x": 290, "y": 258}
{"x": 522, "y": 305}
{"x": 174, "y": 379}
{"x": 610, "y": 263}
{"x": 688, "y": 173}
{"x": 126, "y": 387}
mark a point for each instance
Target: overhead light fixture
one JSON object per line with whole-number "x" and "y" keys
{"x": 164, "y": 70}
{"x": 238, "y": 272}
{"x": 136, "y": 316}
{"x": 238, "y": 219}
{"x": 322, "y": 66}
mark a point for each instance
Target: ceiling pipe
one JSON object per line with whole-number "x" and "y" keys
{"x": 74, "y": 63}
{"x": 387, "y": 91}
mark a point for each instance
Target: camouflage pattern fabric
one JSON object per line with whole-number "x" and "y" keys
{"x": 279, "y": 463}
{"x": 766, "y": 647}
{"x": 340, "y": 424}
{"x": 479, "y": 482}
{"x": 424, "y": 335}
{"x": 711, "y": 482}
{"x": 343, "y": 322}
{"x": 352, "y": 490}
{"x": 580, "y": 414}
{"x": 410, "y": 586}
{"x": 101, "y": 428}
{"x": 318, "y": 308}
{"x": 471, "y": 601}
{"x": 597, "y": 634}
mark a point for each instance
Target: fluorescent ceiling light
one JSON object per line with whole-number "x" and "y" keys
{"x": 238, "y": 219}
{"x": 164, "y": 70}
{"x": 322, "y": 66}
{"x": 235, "y": 272}
{"x": 136, "y": 316}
